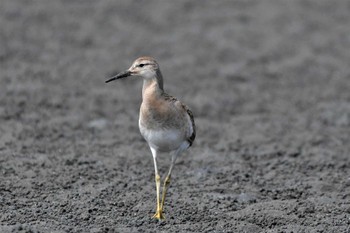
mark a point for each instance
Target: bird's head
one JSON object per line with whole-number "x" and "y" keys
{"x": 145, "y": 67}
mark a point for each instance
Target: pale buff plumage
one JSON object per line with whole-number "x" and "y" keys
{"x": 165, "y": 123}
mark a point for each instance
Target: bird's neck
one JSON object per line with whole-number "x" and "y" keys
{"x": 152, "y": 87}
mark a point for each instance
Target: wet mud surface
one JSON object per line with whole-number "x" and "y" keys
{"x": 267, "y": 81}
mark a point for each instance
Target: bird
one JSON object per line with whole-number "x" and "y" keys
{"x": 166, "y": 124}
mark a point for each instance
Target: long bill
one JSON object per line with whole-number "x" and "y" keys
{"x": 123, "y": 74}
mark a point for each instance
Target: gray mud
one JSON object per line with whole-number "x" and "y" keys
{"x": 268, "y": 83}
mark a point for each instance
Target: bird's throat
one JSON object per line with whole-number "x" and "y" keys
{"x": 151, "y": 89}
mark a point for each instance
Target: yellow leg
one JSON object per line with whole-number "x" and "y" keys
{"x": 165, "y": 188}
{"x": 159, "y": 212}
{"x": 160, "y": 205}
{"x": 167, "y": 179}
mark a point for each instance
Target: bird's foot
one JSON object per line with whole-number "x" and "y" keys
{"x": 159, "y": 215}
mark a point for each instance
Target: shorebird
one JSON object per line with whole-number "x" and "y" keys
{"x": 165, "y": 123}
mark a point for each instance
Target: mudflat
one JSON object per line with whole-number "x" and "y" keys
{"x": 268, "y": 83}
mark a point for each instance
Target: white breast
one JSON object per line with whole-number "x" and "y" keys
{"x": 163, "y": 140}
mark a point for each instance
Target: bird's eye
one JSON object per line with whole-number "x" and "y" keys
{"x": 141, "y": 65}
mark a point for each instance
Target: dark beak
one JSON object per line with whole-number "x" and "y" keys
{"x": 123, "y": 74}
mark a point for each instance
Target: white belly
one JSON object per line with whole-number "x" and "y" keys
{"x": 163, "y": 140}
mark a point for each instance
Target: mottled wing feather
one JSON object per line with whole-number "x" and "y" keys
{"x": 193, "y": 135}
{"x": 191, "y": 138}
{"x": 169, "y": 97}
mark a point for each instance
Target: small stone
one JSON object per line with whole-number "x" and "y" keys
{"x": 98, "y": 123}
{"x": 246, "y": 198}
